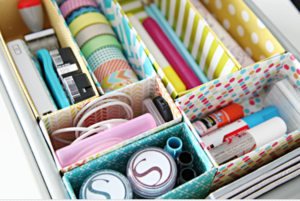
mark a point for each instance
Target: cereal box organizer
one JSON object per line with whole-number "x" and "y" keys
{"x": 212, "y": 56}
{"x": 213, "y": 63}
{"x": 148, "y": 88}
{"x": 13, "y": 28}
{"x": 117, "y": 160}
{"x": 246, "y": 87}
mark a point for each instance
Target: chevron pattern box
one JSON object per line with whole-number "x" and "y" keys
{"x": 197, "y": 188}
{"x": 12, "y": 29}
{"x": 147, "y": 88}
{"x": 246, "y": 87}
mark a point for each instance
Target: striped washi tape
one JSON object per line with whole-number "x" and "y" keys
{"x": 81, "y": 11}
{"x": 71, "y": 5}
{"x": 92, "y": 31}
{"x": 118, "y": 80}
{"x": 104, "y": 55}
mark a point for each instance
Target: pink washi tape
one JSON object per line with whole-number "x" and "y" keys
{"x": 71, "y": 5}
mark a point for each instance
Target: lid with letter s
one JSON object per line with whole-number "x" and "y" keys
{"x": 151, "y": 172}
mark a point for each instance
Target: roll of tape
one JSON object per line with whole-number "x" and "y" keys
{"x": 110, "y": 67}
{"x": 80, "y": 12}
{"x": 103, "y": 55}
{"x": 69, "y": 6}
{"x": 118, "y": 80}
{"x": 91, "y": 31}
{"x": 99, "y": 42}
{"x": 86, "y": 20}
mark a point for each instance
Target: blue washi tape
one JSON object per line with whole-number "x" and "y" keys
{"x": 81, "y": 11}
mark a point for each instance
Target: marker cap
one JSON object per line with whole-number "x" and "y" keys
{"x": 261, "y": 116}
{"x": 268, "y": 131}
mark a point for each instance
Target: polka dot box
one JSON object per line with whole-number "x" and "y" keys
{"x": 246, "y": 87}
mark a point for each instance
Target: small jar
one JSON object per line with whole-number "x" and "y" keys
{"x": 151, "y": 172}
{"x": 106, "y": 184}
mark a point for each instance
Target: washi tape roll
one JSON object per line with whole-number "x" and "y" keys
{"x": 86, "y": 20}
{"x": 92, "y": 31}
{"x": 80, "y": 12}
{"x": 118, "y": 80}
{"x": 99, "y": 42}
{"x": 111, "y": 68}
{"x": 69, "y": 6}
{"x": 103, "y": 55}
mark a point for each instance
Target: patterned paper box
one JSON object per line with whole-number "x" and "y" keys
{"x": 117, "y": 160}
{"x": 54, "y": 20}
{"x": 246, "y": 87}
{"x": 196, "y": 35}
{"x": 147, "y": 88}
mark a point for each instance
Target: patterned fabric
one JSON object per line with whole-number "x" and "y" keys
{"x": 246, "y": 87}
{"x": 71, "y": 5}
{"x": 81, "y": 11}
{"x": 117, "y": 160}
{"x": 91, "y": 31}
{"x": 118, "y": 79}
{"x": 103, "y": 55}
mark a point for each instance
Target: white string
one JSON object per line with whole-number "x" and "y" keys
{"x": 91, "y": 108}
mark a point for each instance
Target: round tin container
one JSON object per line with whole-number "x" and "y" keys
{"x": 106, "y": 184}
{"x": 151, "y": 172}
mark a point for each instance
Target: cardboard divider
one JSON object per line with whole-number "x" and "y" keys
{"x": 148, "y": 88}
{"x": 13, "y": 28}
{"x": 194, "y": 189}
{"x": 188, "y": 28}
{"x": 246, "y": 87}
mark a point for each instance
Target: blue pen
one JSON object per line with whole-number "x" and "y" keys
{"x": 154, "y": 12}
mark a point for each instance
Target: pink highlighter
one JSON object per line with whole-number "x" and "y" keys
{"x": 104, "y": 140}
{"x": 172, "y": 55}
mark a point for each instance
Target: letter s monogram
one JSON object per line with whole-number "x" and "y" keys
{"x": 155, "y": 168}
{"x": 89, "y": 186}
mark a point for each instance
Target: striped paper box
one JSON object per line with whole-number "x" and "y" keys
{"x": 147, "y": 88}
{"x": 197, "y": 188}
{"x": 246, "y": 87}
{"x": 245, "y": 27}
{"x": 12, "y": 29}
{"x": 200, "y": 40}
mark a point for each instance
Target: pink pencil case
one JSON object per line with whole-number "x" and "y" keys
{"x": 104, "y": 140}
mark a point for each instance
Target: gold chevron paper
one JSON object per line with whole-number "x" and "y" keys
{"x": 148, "y": 88}
{"x": 206, "y": 48}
